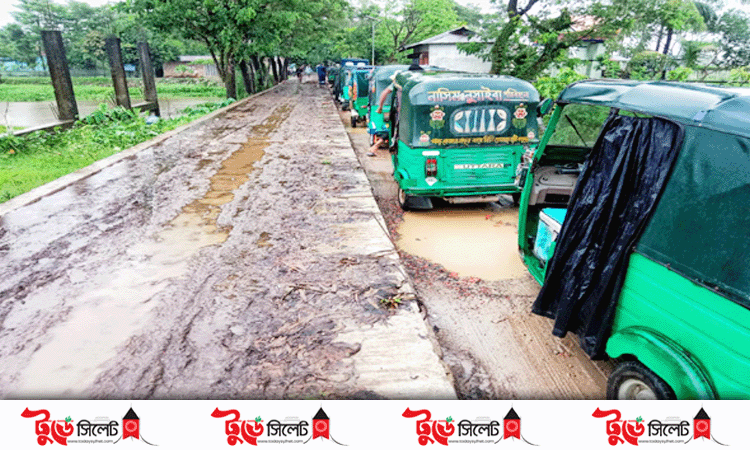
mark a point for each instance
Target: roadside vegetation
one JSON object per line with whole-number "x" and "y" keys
{"x": 39, "y": 89}
{"x": 33, "y": 160}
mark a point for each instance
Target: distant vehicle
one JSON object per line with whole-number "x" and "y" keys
{"x": 354, "y": 62}
{"x": 360, "y": 87}
{"x": 459, "y": 136}
{"x": 634, "y": 216}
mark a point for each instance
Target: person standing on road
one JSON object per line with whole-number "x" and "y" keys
{"x": 300, "y": 71}
{"x": 321, "y": 69}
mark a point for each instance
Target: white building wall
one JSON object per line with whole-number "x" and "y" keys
{"x": 448, "y": 56}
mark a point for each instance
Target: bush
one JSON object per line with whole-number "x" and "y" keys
{"x": 647, "y": 65}
{"x": 679, "y": 74}
{"x": 550, "y": 87}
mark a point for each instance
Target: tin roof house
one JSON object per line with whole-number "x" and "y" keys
{"x": 442, "y": 51}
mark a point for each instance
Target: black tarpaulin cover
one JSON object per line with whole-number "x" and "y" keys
{"x": 615, "y": 196}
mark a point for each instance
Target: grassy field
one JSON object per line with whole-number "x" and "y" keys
{"x": 39, "y": 89}
{"x": 30, "y": 161}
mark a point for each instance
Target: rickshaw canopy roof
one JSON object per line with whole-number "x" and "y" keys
{"x": 721, "y": 109}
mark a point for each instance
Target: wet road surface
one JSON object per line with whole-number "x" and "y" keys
{"x": 243, "y": 257}
{"x": 465, "y": 265}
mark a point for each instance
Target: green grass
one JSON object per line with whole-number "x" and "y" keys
{"x": 33, "y": 160}
{"x": 36, "y": 89}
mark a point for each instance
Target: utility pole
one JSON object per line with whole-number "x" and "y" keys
{"x": 374, "y": 21}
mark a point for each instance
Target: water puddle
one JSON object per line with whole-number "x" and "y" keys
{"x": 116, "y": 304}
{"x": 468, "y": 241}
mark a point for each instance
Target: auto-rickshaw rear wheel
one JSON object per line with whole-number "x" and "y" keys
{"x": 631, "y": 380}
{"x": 354, "y": 122}
{"x": 403, "y": 200}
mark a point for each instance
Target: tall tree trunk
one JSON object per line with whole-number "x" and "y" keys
{"x": 658, "y": 40}
{"x": 230, "y": 83}
{"x": 669, "y": 41}
{"x": 247, "y": 78}
{"x": 282, "y": 68}
{"x": 666, "y": 52}
{"x": 259, "y": 68}
{"x": 274, "y": 69}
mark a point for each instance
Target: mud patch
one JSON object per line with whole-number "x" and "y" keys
{"x": 468, "y": 241}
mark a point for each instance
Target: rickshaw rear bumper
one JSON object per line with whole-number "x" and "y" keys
{"x": 462, "y": 191}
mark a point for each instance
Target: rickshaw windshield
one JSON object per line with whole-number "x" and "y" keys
{"x": 362, "y": 80}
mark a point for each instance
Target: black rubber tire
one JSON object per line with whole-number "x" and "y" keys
{"x": 402, "y": 199}
{"x": 636, "y": 375}
{"x": 354, "y": 122}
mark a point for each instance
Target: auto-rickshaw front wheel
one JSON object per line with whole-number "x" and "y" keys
{"x": 631, "y": 380}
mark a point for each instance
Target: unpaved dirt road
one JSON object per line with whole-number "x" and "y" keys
{"x": 466, "y": 270}
{"x": 243, "y": 257}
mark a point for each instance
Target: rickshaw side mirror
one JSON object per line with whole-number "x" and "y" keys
{"x": 544, "y": 107}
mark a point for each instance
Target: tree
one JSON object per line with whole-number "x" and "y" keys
{"x": 415, "y": 20}
{"x": 526, "y": 45}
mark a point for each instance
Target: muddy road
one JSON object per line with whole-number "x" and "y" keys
{"x": 240, "y": 257}
{"x": 465, "y": 265}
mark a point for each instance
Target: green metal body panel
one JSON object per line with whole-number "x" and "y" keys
{"x": 360, "y": 90}
{"x": 680, "y": 313}
{"x": 409, "y": 172}
{"x": 377, "y": 123}
{"x": 475, "y": 126}
{"x": 706, "y": 330}
{"x": 345, "y": 80}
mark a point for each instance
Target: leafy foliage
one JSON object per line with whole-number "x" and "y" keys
{"x": 550, "y": 87}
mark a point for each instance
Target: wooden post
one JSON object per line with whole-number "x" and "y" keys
{"x": 147, "y": 73}
{"x": 118, "y": 71}
{"x": 60, "y": 74}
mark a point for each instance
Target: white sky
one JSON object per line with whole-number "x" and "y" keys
{"x": 8, "y": 6}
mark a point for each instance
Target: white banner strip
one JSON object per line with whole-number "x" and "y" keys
{"x": 412, "y": 424}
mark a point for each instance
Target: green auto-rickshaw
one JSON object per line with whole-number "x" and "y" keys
{"x": 331, "y": 73}
{"x": 359, "y": 93}
{"x": 459, "y": 136}
{"x": 380, "y": 79}
{"x": 344, "y": 81}
{"x": 635, "y": 215}
{"x": 341, "y": 87}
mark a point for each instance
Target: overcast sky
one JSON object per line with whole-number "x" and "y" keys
{"x": 7, "y": 6}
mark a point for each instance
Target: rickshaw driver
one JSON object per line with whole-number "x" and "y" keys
{"x": 387, "y": 91}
